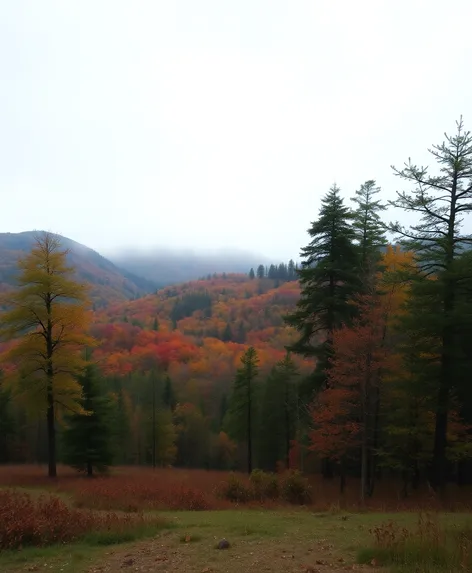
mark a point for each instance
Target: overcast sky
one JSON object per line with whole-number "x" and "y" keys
{"x": 221, "y": 123}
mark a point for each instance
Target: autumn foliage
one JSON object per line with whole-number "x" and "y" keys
{"x": 48, "y": 520}
{"x": 362, "y": 357}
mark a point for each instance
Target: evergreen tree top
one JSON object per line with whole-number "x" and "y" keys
{"x": 332, "y": 228}
{"x": 441, "y": 201}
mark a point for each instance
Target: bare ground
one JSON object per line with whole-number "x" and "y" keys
{"x": 265, "y": 541}
{"x": 165, "y": 555}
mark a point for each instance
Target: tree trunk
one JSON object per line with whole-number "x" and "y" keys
{"x": 448, "y": 340}
{"x": 342, "y": 478}
{"x": 374, "y": 442}
{"x": 415, "y": 482}
{"x": 405, "y": 479}
{"x": 249, "y": 428}
{"x": 327, "y": 468}
{"x": 153, "y": 422}
{"x": 366, "y": 399}
{"x": 287, "y": 428}
{"x": 363, "y": 468}
{"x": 364, "y": 445}
{"x": 51, "y": 422}
{"x": 442, "y": 408}
{"x": 52, "y": 469}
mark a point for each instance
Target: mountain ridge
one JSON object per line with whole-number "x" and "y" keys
{"x": 109, "y": 283}
{"x": 131, "y": 273}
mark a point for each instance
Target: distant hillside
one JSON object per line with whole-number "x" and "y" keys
{"x": 198, "y": 330}
{"x": 166, "y": 266}
{"x": 109, "y": 282}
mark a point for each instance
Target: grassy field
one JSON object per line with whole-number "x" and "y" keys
{"x": 260, "y": 540}
{"x": 140, "y": 522}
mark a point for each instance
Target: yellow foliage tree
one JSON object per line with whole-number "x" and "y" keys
{"x": 48, "y": 318}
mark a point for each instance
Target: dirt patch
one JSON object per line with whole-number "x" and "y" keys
{"x": 169, "y": 553}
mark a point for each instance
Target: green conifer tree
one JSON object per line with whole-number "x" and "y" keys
{"x": 261, "y": 272}
{"x": 169, "y": 397}
{"x": 227, "y": 333}
{"x": 369, "y": 229}
{"x": 7, "y": 424}
{"x": 87, "y": 438}
{"x": 241, "y": 407}
{"x": 328, "y": 279}
{"x": 438, "y": 241}
{"x": 279, "y": 416}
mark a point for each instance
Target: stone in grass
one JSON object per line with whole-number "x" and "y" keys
{"x": 223, "y": 544}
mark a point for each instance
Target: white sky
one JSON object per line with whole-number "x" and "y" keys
{"x": 217, "y": 123}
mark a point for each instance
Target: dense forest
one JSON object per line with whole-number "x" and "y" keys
{"x": 353, "y": 363}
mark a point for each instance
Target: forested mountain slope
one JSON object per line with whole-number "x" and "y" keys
{"x": 108, "y": 282}
{"x": 197, "y": 331}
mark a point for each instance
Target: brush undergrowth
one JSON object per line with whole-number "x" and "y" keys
{"x": 48, "y": 520}
{"x": 140, "y": 488}
{"x": 136, "y": 495}
{"x": 429, "y": 548}
{"x": 291, "y": 487}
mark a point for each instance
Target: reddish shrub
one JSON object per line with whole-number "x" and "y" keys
{"x": 48, "y": 520}
{"x": 138, "y": 488}
{"x": 188, "y": 498}
{"x": 133, "y": 495}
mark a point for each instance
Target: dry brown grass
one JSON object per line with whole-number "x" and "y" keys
{"x": 47, "y": 520}
{"x": 135, "y": 488}
{"x": 430, "y": 546}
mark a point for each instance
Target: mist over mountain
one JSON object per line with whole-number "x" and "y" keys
{"x": 128, "y": 273}
{"x": 108, "y": 282}
{"x": 165, "y": 266}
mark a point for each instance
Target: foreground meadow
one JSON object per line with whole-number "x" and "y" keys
{"x": 172, "y": 520}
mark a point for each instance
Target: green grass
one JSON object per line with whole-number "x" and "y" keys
{"x": 267, "y": 535}
{"x": 74, "y": 558}
{"x": 104, "y": 538}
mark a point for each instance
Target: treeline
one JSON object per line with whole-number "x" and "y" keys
{"x": 387, "y": 332}
{"x": 122, "y": 420}
{"x": 57, "y": 404}
{"x": 282, "y": 272}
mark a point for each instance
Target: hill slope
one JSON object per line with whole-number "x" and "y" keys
{"x": 109, "y": 283}
{"x": 198, "y": 331}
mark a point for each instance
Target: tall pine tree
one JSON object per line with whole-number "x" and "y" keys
{"x": 279, "y": 414}
{"x": 241, "y": 407}
{"x": 87, "y": 438}
{"x": 437, "y": 240}
{"x": 328, "y": 280}
{"x": 369, "y": 230}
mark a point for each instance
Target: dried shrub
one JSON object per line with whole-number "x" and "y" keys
{"x": 233, "y": 489}
{"x": 188, "y": 498}
{"x": 429, "y": 547}
{"x": 48, "y": 520}
{"x": 264, "y": 485}
{"x": 134, "y": 495}
{"x": 295, "y": 488}
{"x": 292, "y": 487}
{"x": 158, "y": 483}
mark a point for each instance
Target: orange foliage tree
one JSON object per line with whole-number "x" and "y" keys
{"x": 345, "y": 415}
